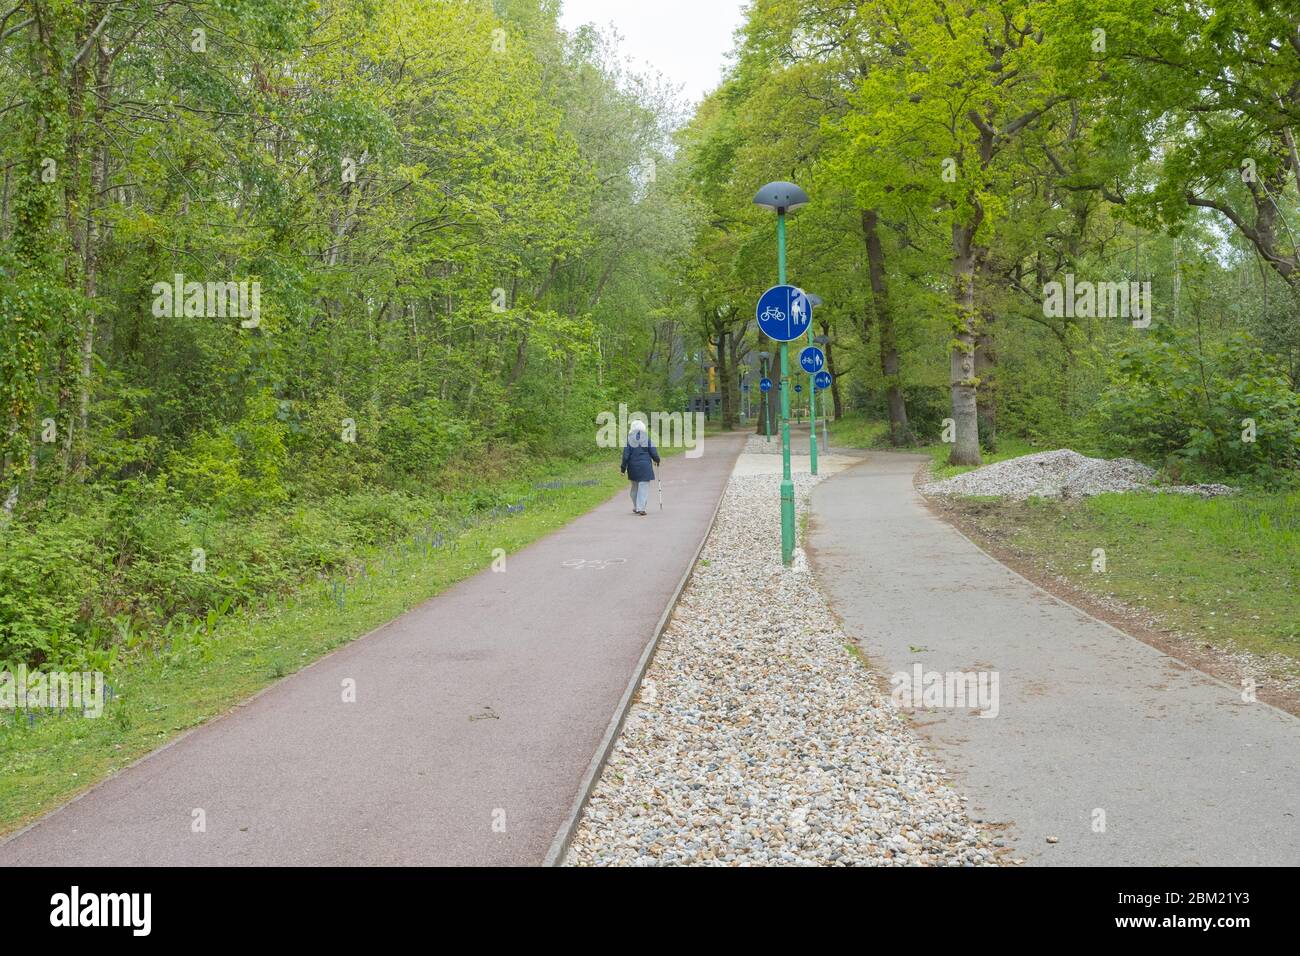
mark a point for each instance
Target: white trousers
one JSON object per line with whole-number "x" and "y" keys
{"x": 640, "y": 491}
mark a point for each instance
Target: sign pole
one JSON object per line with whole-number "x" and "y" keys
{"x": 787, "y": 483}
{"x": 782, "y": 312}
{"x": 767, "y": 407}
{"x": 812, "y": 412}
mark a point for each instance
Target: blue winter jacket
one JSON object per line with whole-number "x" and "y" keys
{"x": 636, "y": 462}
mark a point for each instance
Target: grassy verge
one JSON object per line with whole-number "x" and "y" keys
{"x": 855, "y": 431}
{"x": 204, "y": 671}
{"x": 1223, "y": 571}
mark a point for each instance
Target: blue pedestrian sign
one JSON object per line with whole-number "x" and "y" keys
{"x": 812, "y": 359}
{"x": 822, "y": 380}
{"x": 784, "y": 313}
{"x": 765, "y": 385}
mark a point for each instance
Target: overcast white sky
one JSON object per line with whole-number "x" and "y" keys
{"x": 685, "y": 40}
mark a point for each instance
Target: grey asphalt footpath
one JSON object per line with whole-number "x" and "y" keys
{"x": 476, "y": 717}
{"x": 1089, "y": 719}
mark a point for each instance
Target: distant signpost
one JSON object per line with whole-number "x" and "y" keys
{"x": 765, "y": 385}
{"x": 812, "y": 359}
{"x": 822, "y": 380}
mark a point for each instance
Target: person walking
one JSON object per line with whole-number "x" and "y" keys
{"x": 638, "y": 454}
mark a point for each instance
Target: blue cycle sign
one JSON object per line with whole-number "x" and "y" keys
{"x": 822, "y": 380}
{"x": 765, "y": 385}
{"x": 812, "y": 359}
{"x": 784, "y": 313}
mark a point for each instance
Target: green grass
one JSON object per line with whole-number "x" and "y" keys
{"x": 1225, "y": 570}
{"x": 855, "y": 431}
{"x": 202, "y": 673}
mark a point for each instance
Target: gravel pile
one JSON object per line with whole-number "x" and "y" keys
{"x": 757, "y": 738}
{"x": 1061, "y": 474}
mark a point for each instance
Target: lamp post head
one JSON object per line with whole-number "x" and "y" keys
{"x": 821, "y": 339}
{"x": 764, "y": 355}
{"x": 813, "y": 299}
{"x": 781, "y": 197}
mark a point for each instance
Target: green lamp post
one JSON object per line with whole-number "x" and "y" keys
{"x": 781, "y": 198}
{"x": 814, "y": 301}
{"x": 823, "y": 343}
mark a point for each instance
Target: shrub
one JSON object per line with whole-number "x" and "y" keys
{"x": 1172, "y": 400}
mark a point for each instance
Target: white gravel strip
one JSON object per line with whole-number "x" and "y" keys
{"x": 758, "y": 738}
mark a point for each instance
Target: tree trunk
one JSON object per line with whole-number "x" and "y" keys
{"x": 725, "y": 386}
{"x": 98, "y": 177}
{"x": 899, "y": 432}
{"x": 738, "y": 352}
{"x": 966, "y": 449}
{"x": 830, "y": 367}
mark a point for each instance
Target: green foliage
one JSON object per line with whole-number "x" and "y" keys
{"x": 44, "y": 578}
{"x": 238, "y": 467}
{"x": 458, "y": 265}
{"x": 418, "y": 438}
{"x": 1192, "y": 404}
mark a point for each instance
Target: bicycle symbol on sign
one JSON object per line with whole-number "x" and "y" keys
{"x": 594, "y": 565}
{"x": 772, "y": 314}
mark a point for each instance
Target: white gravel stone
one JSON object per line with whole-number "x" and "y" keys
{"x": 759, "y": 739}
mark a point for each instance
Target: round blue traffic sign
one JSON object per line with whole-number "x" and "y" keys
{"x": 812, "y": 359}
{"x": 765, "y": 385}
{"x": 822, "y": 380}
{"x": 784, "y": 313}
{"x": 798, "y": 388}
